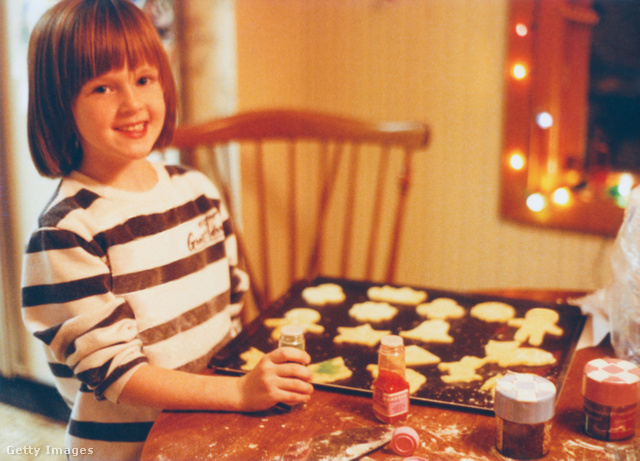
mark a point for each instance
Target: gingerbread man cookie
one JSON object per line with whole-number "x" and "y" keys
{"x": 537, "y": 322}
{"x": 462, "y": 371}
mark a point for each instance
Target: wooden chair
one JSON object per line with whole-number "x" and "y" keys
{"x": 321, "y": 194}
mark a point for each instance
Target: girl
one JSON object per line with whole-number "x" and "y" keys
{"x": 130, "y": 277}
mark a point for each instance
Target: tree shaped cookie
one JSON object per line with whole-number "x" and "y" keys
{"x": 329, "y": 371}
{"x": 537, "y": 322}
{"x": 430, "y": 331}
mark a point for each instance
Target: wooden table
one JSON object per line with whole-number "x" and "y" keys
{"x": 445, "y": 434}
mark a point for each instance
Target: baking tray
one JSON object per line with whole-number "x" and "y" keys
{"x": 470, "y": 336}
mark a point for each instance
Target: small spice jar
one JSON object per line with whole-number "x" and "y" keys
{"x": 610, "y": 388}
{"x": 524, "y": 405}
{"x": 292, "y": 336}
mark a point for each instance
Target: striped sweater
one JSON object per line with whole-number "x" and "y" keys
{"x": 113, "y": 280}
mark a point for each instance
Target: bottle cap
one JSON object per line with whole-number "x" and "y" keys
{"x": 392, "y": 341}
{"x": 404, "y": 441}
{"x": 291, "y": 330}
{"x": 525, "y": 398}
{"x": 611, "y": 382}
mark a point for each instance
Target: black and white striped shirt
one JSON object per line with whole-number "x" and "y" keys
{"x": 114, "y": 279}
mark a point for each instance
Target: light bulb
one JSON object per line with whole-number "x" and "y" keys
{"x": 561, "y": 196}
{"x": 544, "y": 120}
{"x": 536, "y": 202}
{"x": 519, "y": 71}
{"x": 521, "y": 29}
{"x": 516, "y": 161}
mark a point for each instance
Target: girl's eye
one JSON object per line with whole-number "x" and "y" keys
{"x": 101, "y": 89}
{"x": 146, "y": 80}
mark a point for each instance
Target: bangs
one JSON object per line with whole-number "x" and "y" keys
{"x": 109, "y": 38}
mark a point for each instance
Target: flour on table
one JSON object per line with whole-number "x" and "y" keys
{"x": 251, "y": 358}
{"x": 325, "y": 293}
{"x": 372, "y": 311}
{"x": 537, "y": 322}
{"x": 415, "y": 379}
{"x": 441, "y": 308}
{"x": 415, "y": 355}
{"x": 430, "y": 331}
{"x": 493, "y": 311}
{"x": 363, "y": 334}
{"x": 304, "y": 317}
{"x": 329, "y": 371}
{"x": 395, "y": 295}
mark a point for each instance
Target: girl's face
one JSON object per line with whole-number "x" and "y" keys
{"x": 119, "y": 116}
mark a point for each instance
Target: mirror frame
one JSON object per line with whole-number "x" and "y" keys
{"x": 550, "y": 42}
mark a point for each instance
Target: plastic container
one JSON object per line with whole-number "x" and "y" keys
{"x": 292, "y": 336}
{"x": 404, "y": 441}
{"x": 524, "y": 406}
{"x": 610, "y": 388}
{"x": 390, "y": 388}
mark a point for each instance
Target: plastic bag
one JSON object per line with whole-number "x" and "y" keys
{"x": 622, "y": 296}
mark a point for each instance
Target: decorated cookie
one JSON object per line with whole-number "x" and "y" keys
{"x": 537, "y": 322}
{"x": 430, "y": 331}
{"x": 325, "y": 293}
{"x": 364, "y": 334}
{"x": 493, "y": 311}
{"x": 441, "y": 308}
{"x": 403, "y": 295}
{"x": 304, "y": 317}
{"x": 329, "y": 371}
{"x": 372, "y": 311}
{"x": 415, "y": 379}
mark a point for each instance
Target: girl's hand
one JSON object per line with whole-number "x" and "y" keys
{"x": 281, "y": 376}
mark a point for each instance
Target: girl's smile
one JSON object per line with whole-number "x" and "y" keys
{"x": 119, "y": 116}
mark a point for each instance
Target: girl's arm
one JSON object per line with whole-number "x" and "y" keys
{"x": 279, "y": 377}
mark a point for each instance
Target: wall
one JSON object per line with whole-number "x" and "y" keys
{"x": 439, "y": 61}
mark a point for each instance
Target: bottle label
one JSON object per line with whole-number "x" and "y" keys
{"x": 388, "y": 404}
{"x": 609, "y": 423}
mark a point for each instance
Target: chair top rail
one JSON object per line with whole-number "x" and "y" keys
{"x": 301, "y": 124}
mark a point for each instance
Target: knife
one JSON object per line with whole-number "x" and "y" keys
{"x": 342, "y": 445}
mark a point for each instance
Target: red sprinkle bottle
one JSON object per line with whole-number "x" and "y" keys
{"x": 610, "y": 388}
{"x": 391, "y": 389}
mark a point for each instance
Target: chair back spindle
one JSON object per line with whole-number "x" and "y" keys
{"x": 321, "y": 194}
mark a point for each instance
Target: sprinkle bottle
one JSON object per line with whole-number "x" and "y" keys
{"x": 292, "y": 336}
{"x": 610, "y": 388}
{"x": 390, "y": 388}
{"x": 524, "y": 405}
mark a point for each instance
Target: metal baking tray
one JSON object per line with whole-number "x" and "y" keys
{"x": 470, "y": 336}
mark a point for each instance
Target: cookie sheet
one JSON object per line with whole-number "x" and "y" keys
{"x": 470, "y": 337}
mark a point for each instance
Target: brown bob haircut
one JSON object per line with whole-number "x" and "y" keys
{"x": 76, "y": 41}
